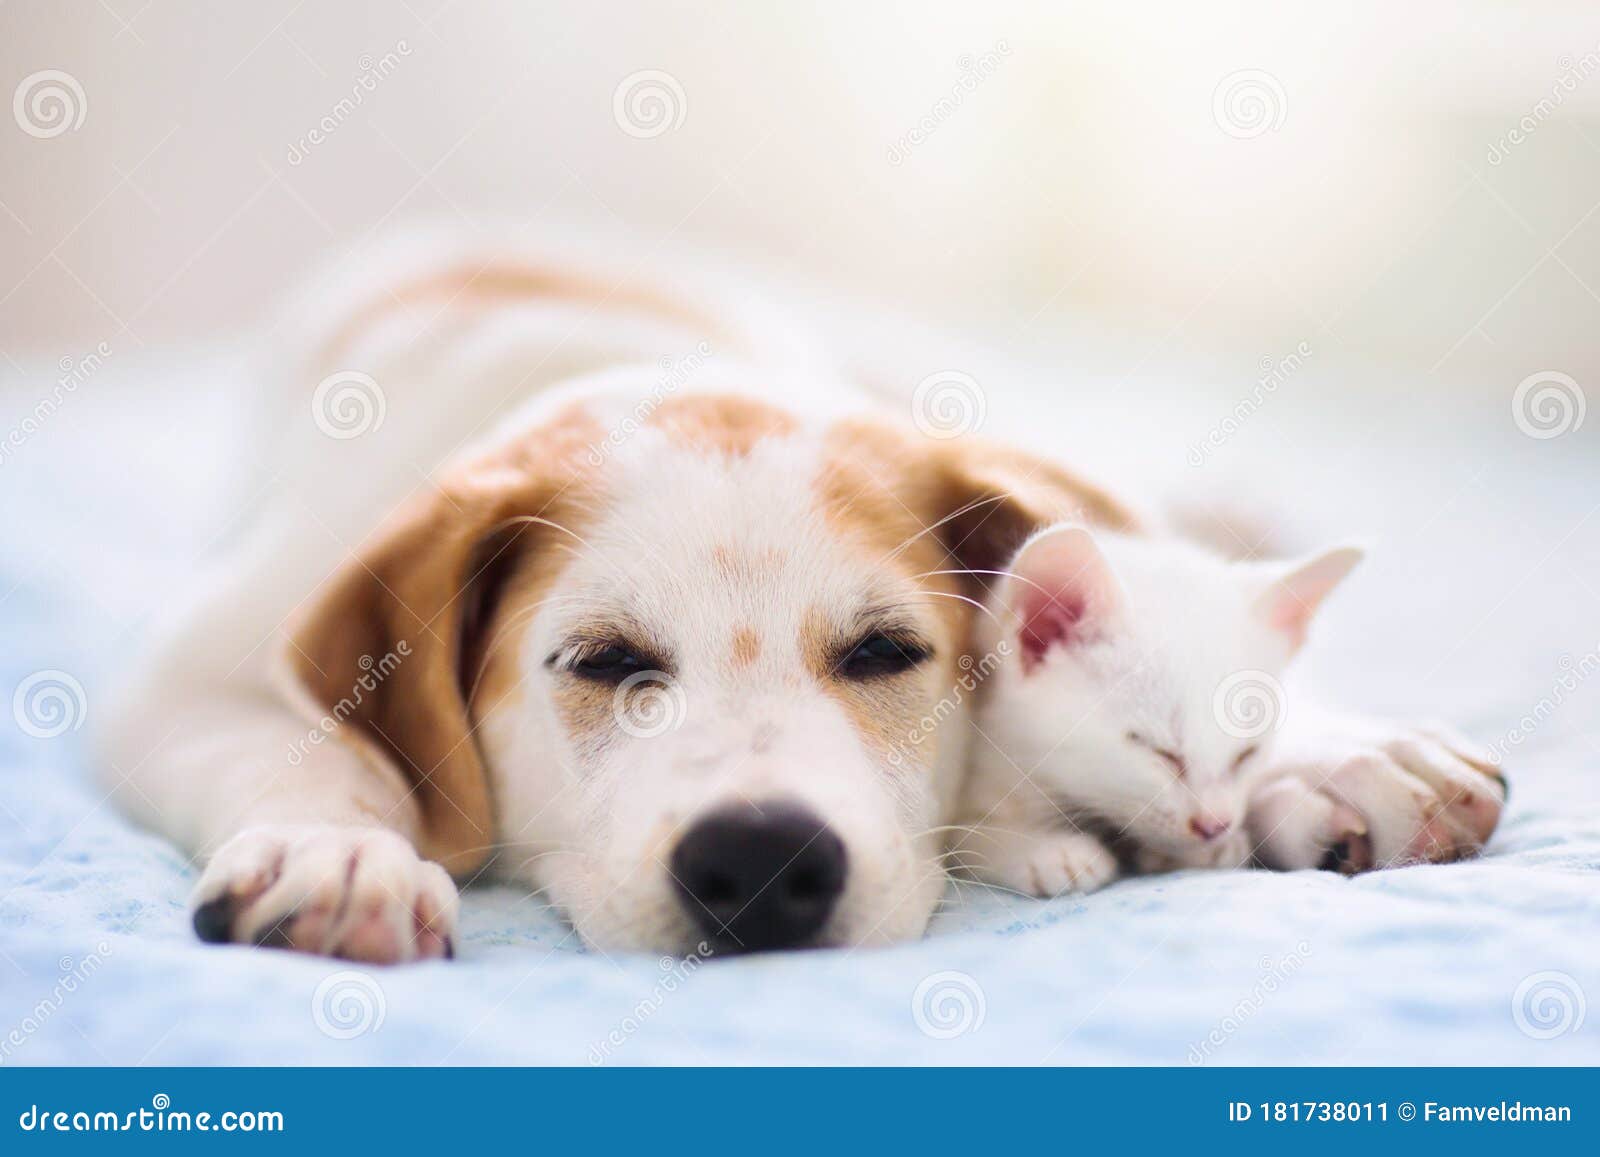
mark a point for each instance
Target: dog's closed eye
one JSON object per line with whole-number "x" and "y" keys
{"x": 881, "y": 653}
{"x": 604, "y": 661}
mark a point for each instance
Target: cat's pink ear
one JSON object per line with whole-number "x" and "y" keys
{"x": 1294, "y": 594}
{"x": 1062, "y": 591}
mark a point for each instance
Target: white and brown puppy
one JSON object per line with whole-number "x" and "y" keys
{"x": 651, "y": 639}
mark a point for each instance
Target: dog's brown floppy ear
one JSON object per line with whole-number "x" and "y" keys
{"x": 992, "y": 497}
{"x": 387, "y": 650}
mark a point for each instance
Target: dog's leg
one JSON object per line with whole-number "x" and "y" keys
{"x": 305, "y": 846}
{"x": 1355, "y": 794}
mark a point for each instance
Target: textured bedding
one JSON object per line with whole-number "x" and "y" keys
{"x": 1481, "y": 605}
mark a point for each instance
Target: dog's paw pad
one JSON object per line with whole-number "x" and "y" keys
{"x": 358, "y": 893}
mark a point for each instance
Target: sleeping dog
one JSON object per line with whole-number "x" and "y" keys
{"x": 612, "y": 590}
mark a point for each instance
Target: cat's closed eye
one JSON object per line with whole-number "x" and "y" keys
{"x": 1245, "y": 756}
{"x": 1179, "y": 765}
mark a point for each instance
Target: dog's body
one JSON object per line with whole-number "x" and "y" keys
{"x": 611, "y": 588}
{"x": 676, "y": 578}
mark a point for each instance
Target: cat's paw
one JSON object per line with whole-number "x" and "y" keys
{"x": 358, "y": 893}
{"x": 1052, "y": 863}
{"x": 1374, "y": 796}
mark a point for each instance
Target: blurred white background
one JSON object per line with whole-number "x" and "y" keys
{"x": 1412, "y": 184}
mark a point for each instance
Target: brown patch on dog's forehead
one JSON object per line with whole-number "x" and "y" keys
{"x": 746, "y": 565}
{"x": 723, "y": 424}
{"x": 866, "y": 487}
{"x": 746, "y": 647}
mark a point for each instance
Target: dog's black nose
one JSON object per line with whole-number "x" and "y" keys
{"x": 756, "y": 877}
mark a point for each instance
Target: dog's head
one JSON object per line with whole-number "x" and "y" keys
{"x": 698, "y": 681}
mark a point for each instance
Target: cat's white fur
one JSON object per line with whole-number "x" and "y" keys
{"x": 1135, "y": 716}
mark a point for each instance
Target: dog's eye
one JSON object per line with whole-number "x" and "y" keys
{"x": 1245, "y": 755}
{"x": 611, "y": 664}
{"x": 880, "y": 654}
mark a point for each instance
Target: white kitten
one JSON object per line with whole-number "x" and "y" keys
{"x": 1129, "y": 717}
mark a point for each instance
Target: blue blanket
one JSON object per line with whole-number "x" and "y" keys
{"x": 1480, "y": 606}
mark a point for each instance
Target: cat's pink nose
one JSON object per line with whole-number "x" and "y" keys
{"x": 1207, "y": 826}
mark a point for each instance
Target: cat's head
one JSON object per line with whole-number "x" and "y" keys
{"x": 1143, "y": 684}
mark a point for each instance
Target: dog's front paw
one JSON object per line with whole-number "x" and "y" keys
{"x": 358, "y": 893}
{"x": 1376, "y": 796}
{"x": 1051, "y": 863}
